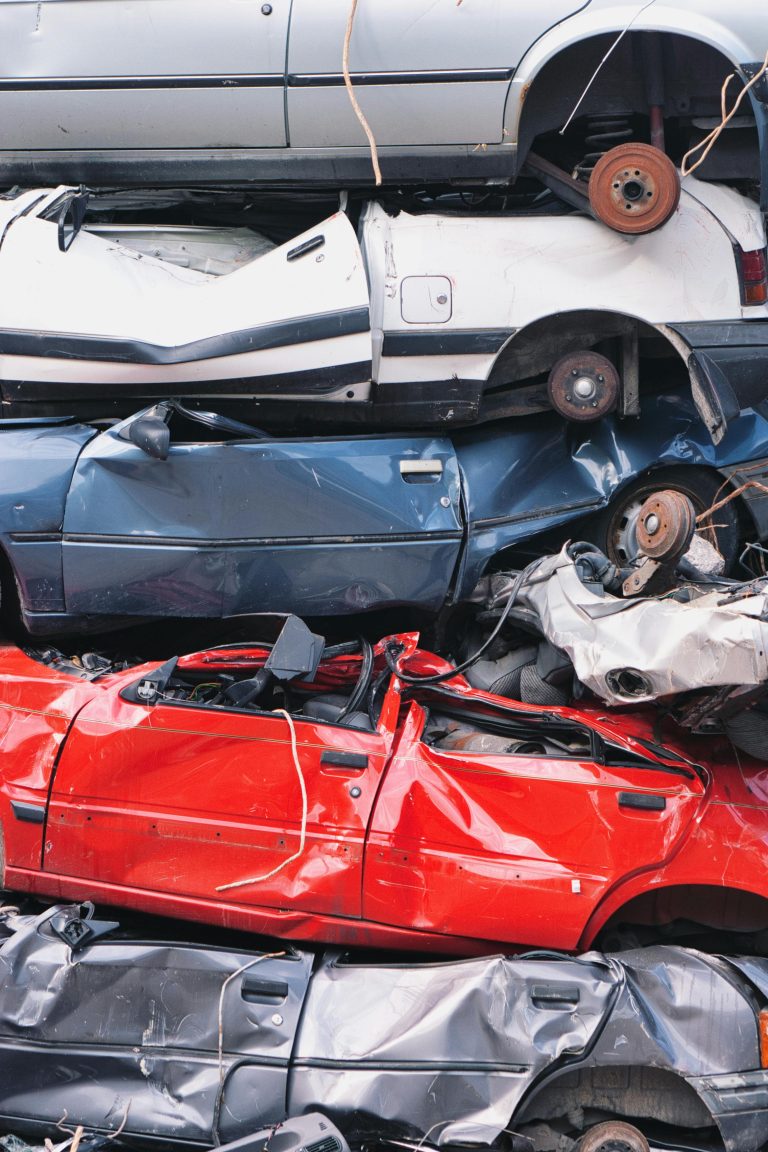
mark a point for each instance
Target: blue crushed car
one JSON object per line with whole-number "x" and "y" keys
{"x": 176, "y": 512}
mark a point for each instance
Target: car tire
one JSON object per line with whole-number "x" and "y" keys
{"x": 748, "y": 731}
{"x": 614, "y": 530}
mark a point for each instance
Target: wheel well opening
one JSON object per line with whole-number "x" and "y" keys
{"x": 10, "y": 601}
{"x": 676, "y": 74}
{"x": 697, "y": 915}
{"x": 578, "y": 1098}
{"x": 533, "y": 350}
{"x": 645, "y": 360}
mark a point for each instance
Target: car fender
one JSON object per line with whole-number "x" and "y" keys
{"x": 700, "y": 21}
{"x": 719, "y": 851}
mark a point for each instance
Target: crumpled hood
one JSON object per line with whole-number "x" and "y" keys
{"x": 675, "y": 646}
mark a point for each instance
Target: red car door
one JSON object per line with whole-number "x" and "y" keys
{"x": 516, "y": 847}
{"x": 183, "y": 799}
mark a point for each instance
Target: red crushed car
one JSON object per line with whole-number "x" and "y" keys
{"x": 307, "y": 792}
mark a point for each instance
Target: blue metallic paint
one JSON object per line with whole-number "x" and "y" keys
{"x": 319, "y": 526}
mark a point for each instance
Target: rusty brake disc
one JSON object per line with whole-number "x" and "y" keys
{"x": 634, "y": 188}
{"x": 666, "y": 524}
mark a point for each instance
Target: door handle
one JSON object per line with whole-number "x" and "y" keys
{"x": 259, "y": 991}
{"x": 420, "y": 469}
{"x": 642, "y": 801}
{"x": 357, "y": 760}
{"x": 554, "y": 995}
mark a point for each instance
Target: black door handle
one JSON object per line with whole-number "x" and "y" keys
{"x": 333, "y": 759}
{"x": 554, "y": 995}
{"x": 642, "y": 801}
{"x": 259, "y": 991}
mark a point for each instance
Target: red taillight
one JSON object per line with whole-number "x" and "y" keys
{"x": 753, "y": 269}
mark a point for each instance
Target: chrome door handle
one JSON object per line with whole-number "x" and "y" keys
{"x": 421, "y": 467}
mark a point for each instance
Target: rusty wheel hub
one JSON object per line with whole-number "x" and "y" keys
{"x": 634, "y": 188}
{"x": 666, "y": 523}
{"x": 613, "y": 1136}
{"x": 583, "y": 386}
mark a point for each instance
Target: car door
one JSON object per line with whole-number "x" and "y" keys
{"x": 320, "y": 527}
{"x": 111, "y": 75}
{"x": 518, "y": 846}
{"x": 425, "y": 73}
{"x": 179, "y": 799}
{"x": 141, "y": 1036}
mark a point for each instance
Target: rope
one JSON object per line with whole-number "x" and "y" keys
{"x": 353, "y": 99}
{"x": 302, "y": 838}
{"x": 709, "y": 141}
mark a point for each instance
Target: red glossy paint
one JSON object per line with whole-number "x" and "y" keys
{"x": 157, "y": 805}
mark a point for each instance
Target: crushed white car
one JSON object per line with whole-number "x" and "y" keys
{"x": 395, "y": 312}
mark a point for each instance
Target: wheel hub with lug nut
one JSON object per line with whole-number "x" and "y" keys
{"x": 666, "y": 524}
{"x": 583, "y": 386}
{"x": 634, "y": 188}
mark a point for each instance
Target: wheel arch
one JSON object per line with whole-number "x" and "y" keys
{"x": 634, "y": 1091}
{"x": 538, "y": 101}
{"x": 722, "y": 908}
{"x": 536, "y": 346}
{"x": 742, "y": 507}
{"x": 12, "y": 602}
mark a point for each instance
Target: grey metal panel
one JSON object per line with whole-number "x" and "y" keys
{"x": 412, "y": 35}
{"x": 399, "y": 114}
{"x": 147, "y": 1017}
{"x": 449, "y": 1051}
{"x": 407, "y": 36}
{"x": 66, "y": 40}
{"x": 154, "y": 118}
{"x": 141, "y": 38}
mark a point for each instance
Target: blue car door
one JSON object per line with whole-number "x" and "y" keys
{"x": 230, "y": 524}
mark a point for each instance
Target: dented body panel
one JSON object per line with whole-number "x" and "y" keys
{"x": 321, "y": 526}
{"x": 195, "y": 810}
{"x": 418, "y": 319}
{"x": 162, "y": 93}
{"x": 203, "y": 1044}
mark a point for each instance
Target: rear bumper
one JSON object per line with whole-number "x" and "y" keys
{"x": 738, "y": 1103}
{"x": 732, "y": 355}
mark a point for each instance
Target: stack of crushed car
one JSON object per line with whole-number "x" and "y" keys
{"x": 384, "y": 453}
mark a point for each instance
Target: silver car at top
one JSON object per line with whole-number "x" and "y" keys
{"x": 225, "y": 91}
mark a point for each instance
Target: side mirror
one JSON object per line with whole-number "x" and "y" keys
{"x": 152, "y": 435}
{"x": 71, "y": 219}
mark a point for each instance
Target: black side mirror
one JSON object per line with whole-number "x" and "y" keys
{"x": 151, "y": 434}
{"x": 71, "y": 219}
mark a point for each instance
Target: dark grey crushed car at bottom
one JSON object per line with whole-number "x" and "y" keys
{"x": 205, "y": 1044}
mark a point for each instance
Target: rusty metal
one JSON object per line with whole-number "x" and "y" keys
{"x": 634, "y": 188}
{"x": 666, "y": 525}
{"x": 583, "y": 386}
{"x": 613, "y": 1136}
{"x": 643, "y": 578}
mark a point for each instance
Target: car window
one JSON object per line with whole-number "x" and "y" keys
{"x": 509, "y": 737}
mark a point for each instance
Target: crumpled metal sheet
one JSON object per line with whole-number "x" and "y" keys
{"x": 199, "y": 1043}
{"x": 449, "y": 1049}
{"x": 677, "y": 647}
